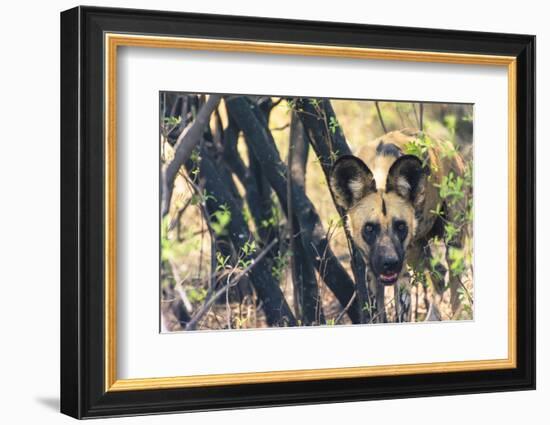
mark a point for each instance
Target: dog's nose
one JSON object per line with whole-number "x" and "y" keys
{"x": 390, "y": 264}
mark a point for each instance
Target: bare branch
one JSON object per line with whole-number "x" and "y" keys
{"x": 296, "y": 284}
{"x": 233, "y": 281}
{"x": 380, "y": 117}
{"x": 186, "y": 142}
{"x": 421, "y": 123}
{"x": 261, "y": 142}
{"x": 328, "y": 146}
{"x": 276, "y": 309}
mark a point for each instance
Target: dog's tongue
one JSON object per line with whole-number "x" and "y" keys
{"x": 389, "y": 276}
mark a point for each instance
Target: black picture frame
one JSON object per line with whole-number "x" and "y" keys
{"x": 83, "y": 392}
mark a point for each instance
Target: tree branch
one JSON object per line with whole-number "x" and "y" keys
{"x": 192, "y": 324}
{"x": 379, "y": 112}
{"x": 186, "y": 142}
{"x": 329, "y": 144}
{"x": 310, "y": 302}
{"x": 261, "y": 142}
{"x": 276, "y": 309}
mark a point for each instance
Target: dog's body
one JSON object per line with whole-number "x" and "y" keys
{"x": 390, "y": 198}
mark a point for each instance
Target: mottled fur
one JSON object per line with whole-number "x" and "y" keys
{"x": 389, "y": 198}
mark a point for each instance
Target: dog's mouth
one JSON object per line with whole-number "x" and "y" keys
{"x": 388, "y": 278}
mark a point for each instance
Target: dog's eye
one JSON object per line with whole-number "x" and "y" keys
{"x": 370, "y": 232}
{"x": 401, "y": 228}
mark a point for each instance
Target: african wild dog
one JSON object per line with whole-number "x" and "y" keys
{"x": 389, "y": 197}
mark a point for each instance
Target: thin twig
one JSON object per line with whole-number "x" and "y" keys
{"x": 296, "y": 286}
{"x": 416, "y": 115}
{"x": 416, "y": 301}
{"x": 213, "y": 240}
{"x": 401, "y": 120}
{"x": 470, "y": 299}
{"x": 179, "y": 213}
{"x": 274, "y": 104}
{"x": 208, "y": 304}
{"x": 380, "y": 117}
{"x": 381, "y": 312}
{"x": 187, "y": 141}
{"x": 178, "y": 288}
{"x": 281, "y": 128}
{"x": 346, "y": 308}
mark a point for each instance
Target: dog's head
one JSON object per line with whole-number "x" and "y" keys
{"x": 382, "y": 220}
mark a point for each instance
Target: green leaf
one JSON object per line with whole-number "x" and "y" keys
{"x": 333, "y": 125}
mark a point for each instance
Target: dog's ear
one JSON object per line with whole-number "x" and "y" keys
{"x": 350, "y": 181}
{"x": 407, "y": 177}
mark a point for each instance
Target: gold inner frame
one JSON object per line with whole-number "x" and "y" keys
{"x": 113, "y": 41}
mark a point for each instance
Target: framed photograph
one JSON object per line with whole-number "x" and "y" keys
{"x": 261, "y": 212}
